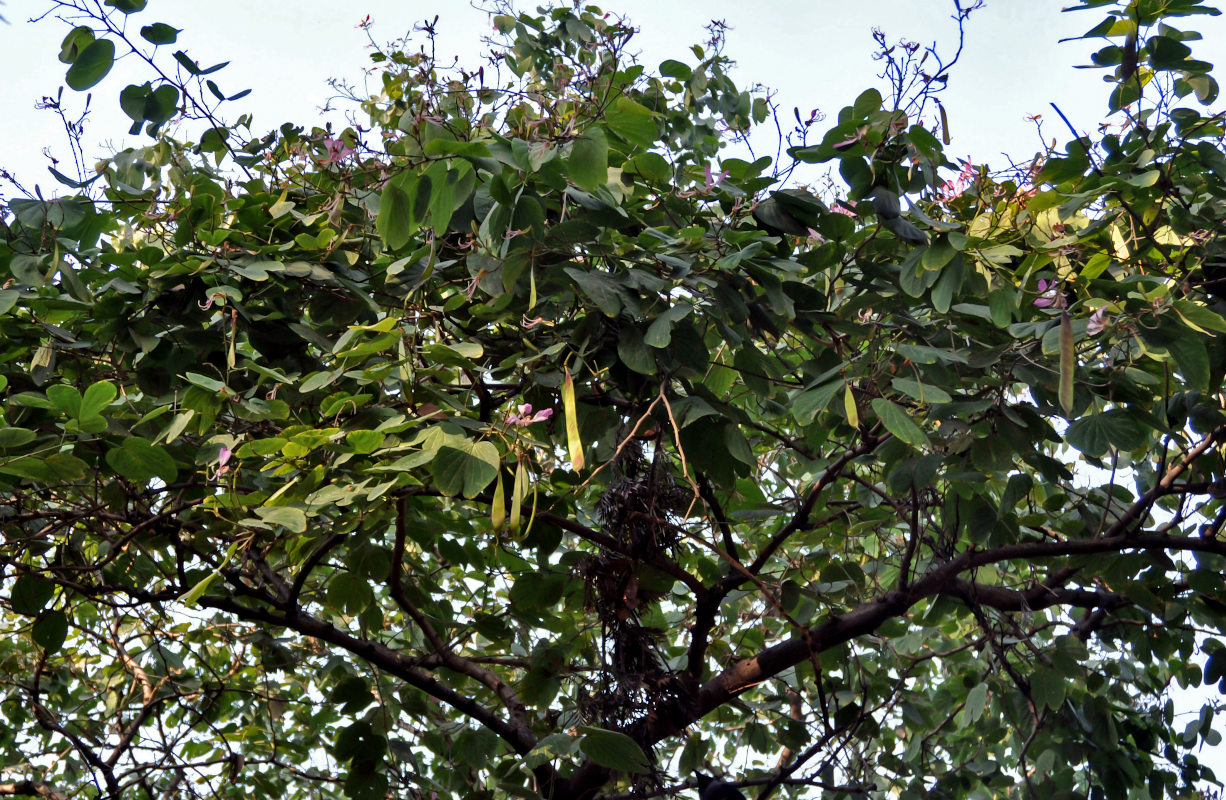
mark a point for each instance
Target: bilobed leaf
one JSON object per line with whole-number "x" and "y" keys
{"x": 634, "y": 352}
{"x": 806, "y": 405}
{"x": 97, "y": 397}
{"x": 141, "y": 461}
{"x": 161, "y": 104}
{"x": 588, "y": 164}
{"x": 77, "y": 40}
{"x": 659, "y": 332}
{"x": 127, "y": 6}
{"x": 50, "y": 630}
{"x": 600, "y": 287}
{"x": 187, "y": 63}
{"x": 16, "y": 437}
{"x": 132, "y": 100}
{"x": 613, "y": 750}
{"x": 631, "y": 122}
{"x": 652, "y": 166}
{"x": 91, "y": 66}
{"x": 465, "y": 468}
{"x": 1095, "y": 434}
{"x": 66, "y": 398}
{"x": 30, "y": 594}
{"x": 574, "y": 445}
{"x": 396, "y": 222}
{"x": 1047, "y": 688}
{"x": 1199, "y": 317}
{"x": 288, "y": 517}
{"x": 1068, "y": 363}
{"x": 899, "y": 423}
{"x": 976, "y": 701}
{"x": 159, "y": 33}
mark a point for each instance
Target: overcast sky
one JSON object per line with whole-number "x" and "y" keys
{"x": 812, "y": 53}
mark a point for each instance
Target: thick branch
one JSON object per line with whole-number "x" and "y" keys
{"x": 30, "y": 789}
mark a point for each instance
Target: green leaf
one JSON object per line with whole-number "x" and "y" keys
{"x": 66, "y": 398}
{"x": 288, "y": 517}
{"x": 613, "y": 750}
{"x": 30, "y": 594}
{"x": 976, "y": 702}
{"x": 396, "y": 222}
{"x": 1047, "y": 688}
{"x": 141, "y": 461}
{"x": 97, "y": 397}
{"x": 77, "y": 40}
{"x": 159, "y": 33}
{"x": 809, "y": 403}
{"x": 652, "y": 166}
{"x": 91, "y": 66}
{"x": 465, "y": 468}
{"x": 127, "y": 6}
{"x": 600, "y": 287}
{"x": 16, "y": 437}
{"x": 675, "y": 69}
{"x": 588, "y": 164}
{"x": 631, "y": 122}
{"x": 659, "y": 333}
{"x": 1198, "y": 317}
{"x": 50, "y": 630}
{"x": 898, "y": 422}
{"x": 132, "y": 101}
{"x": 634, "y": 352}
{"x": 1094, "y": 435}
{"x": 161, "y": 104}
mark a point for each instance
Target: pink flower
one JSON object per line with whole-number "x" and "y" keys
{"x": 839, "y": 208}
{"x": 1098, "y": 322}
{"x": 525, "y": 417}
{"x": 713, "y": 180}
{"x": 951, "y": 189}
{"x": 337, "y": 150}
{"x": 1050, "y": 295}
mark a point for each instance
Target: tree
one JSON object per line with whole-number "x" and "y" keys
{"x": 519, "y": 443}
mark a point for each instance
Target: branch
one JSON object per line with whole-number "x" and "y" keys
{"x": 801, "y": 518}
{"x": 383, "y": 657}
{"x": 449, "y": 658}
{"x": 31, "y": 789}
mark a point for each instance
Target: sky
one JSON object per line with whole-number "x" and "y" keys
{"x": 810, "y": 53}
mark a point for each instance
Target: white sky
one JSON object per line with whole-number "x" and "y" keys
{"x": 814, "y": 53}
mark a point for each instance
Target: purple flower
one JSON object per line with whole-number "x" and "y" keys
{"x": 1098, "y": 322}
{"x": 713, "y": 180}
{"x": 525, "y": 416}
{"x": 337, "y": 150}
{"x": 1050, "y": 295}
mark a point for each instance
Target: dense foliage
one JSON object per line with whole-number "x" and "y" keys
{"x": 522, "y": 441}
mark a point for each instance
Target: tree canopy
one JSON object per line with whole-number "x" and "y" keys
{"x": 532, "y": 439}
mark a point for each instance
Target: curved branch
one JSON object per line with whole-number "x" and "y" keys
{"x": 801, "y": 518}
{"x": 31, "y": 789}
{"x": 385, "y": 658}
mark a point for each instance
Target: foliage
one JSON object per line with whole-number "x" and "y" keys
{"x": 524, "y": 443}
